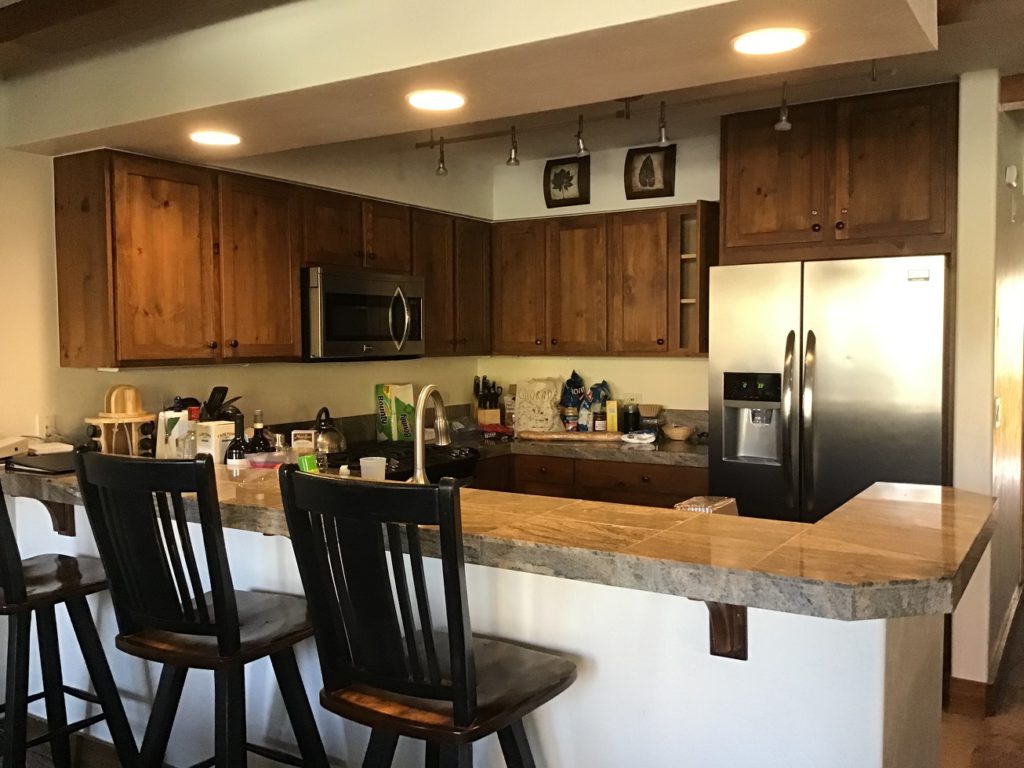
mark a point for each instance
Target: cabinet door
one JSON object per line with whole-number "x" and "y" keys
{"x": 893, "y": 156}
{"x": 333, "y": 228}
{"x": 163, "y": 230}
{"x": 577, "y": 285}
{"x": 773, "y": 182}
{"x": 386, "y": 239}
{"x": 519, "y": 288}
{"x": 433, "y": 260}
{"x": 260, "y": 241}
{"x": 472, "y": 287}
{"x": 641, "y": 279}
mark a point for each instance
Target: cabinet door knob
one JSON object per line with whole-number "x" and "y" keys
{"x": 212, "y": 344}
{"x": 554, "y": 342}
{"x": 840, "y": 225}
{"x": 538, "y": 342}
{"x": 233, "y": 343}
{"x": 814, "y": 213}
{"x": 543, "y": 470}
{"x": 815, "y": 227}
{"x": 371, "y": 256}
{"x": 661, "y": 342}
{"x": 646, "y": 478}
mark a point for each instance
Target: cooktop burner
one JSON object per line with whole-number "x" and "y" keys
{"x": 441, "y": 461}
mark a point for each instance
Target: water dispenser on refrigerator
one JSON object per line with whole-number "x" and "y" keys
{"x": 751, "y": 418}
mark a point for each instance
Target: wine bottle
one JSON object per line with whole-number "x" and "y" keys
{"x": 234, "y": 457}
{"x": 259, "y": 442}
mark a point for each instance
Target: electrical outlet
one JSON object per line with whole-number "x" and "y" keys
{"x": 46, "y": 425}
{"x": 631, "y": 397}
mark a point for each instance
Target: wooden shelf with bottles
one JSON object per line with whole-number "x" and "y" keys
{"x": 694, "y": 237}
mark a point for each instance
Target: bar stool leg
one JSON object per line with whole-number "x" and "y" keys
{"x": 380, "y": 752}
{"x": 515, "y": 746}
{"x": 161, "y": 719}
{"x": 103, "y": 681}
{"x": 19, "y": 627}
{"x": 53, "y": 685}
{"x": 229, "y": 711}
{"x": 449, "y": 755}
{"x": 307, "y": 735}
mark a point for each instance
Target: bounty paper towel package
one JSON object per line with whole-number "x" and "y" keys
{"x": 396, "y": 412}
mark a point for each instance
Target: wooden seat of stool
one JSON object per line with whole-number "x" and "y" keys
{"x": 52, "y": 578}
{"x": 267, "y": 623}
{"x": 511, "y": 681}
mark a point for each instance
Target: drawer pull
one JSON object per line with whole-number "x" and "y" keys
{"x": 543, "y": 470}
{"x": 646, "y": 478}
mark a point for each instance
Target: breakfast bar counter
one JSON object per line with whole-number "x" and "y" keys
{"x": 841, "y": 622}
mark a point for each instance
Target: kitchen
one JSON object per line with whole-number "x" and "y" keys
{"x": 480, "y": 185}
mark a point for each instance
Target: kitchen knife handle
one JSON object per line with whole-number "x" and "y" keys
{"x": 807, "y": 423}
{"x": 789, "y": 467}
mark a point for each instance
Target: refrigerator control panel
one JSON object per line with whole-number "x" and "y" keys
{"x": 755, "y": 387}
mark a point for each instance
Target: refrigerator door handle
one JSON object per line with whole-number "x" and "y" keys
{"x": 789, "y": 467}
{"x": 807, "y": 423}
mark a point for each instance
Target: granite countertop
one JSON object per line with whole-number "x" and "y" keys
{"x": 894, "y": 550}
{"x": 664, "y": 451}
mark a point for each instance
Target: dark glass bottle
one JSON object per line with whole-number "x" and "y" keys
{"x": 259, "y": 442}
{"x": 234, "y": 457}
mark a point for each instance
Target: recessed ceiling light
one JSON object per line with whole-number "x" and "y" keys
{"x": 762, "y": 42}
{"x": 436, "y": 100}
{"x": 218, "y": 138}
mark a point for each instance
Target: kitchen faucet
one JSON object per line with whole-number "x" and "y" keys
{"x": 428, "y": 392}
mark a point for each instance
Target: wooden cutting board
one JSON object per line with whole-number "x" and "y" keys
{"x": 590, "y": 437}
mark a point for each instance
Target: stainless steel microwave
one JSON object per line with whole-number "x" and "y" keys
{"x": 360, "y": 315}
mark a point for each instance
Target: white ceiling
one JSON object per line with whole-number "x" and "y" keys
{"x": 681, "y": 53}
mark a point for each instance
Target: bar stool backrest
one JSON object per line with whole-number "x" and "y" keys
{"x": 12, "y": 578}
{"x": 349, "y": 537}
{"x": 137, "y": 513}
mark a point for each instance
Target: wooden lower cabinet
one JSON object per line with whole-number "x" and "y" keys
{"x": 650, "y": 485}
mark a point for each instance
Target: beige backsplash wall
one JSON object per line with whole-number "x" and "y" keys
{"x": 676, "y": 383}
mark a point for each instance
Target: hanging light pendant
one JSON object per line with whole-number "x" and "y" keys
{"x": 662, "y": 128}
{"x": 442, "y": 170}
{"x": 513, "y": 149}
{"x": 581, "y": 148}
{"x": 783, "y": 123}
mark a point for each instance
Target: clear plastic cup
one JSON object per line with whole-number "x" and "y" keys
{"x": 373, "y": 467}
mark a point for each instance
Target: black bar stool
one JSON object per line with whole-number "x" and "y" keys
{"x": 38, "y": 585}
{"x": 380, "y": 667}
{"x": 166, "y": 615}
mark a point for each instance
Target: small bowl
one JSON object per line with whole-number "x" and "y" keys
{"x": 677, "y": 431}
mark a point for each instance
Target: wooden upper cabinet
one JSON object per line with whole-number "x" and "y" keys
{"x": 643, "y": 284}
{"x": 518, "y": 288}
{"x": 386, "y": 236}
{"x": 164, "y": 264}
{"x": 893, "y": 156}
{"x": 472, "y": 287}
{"x": 773, "y": 182}
{"x": 260, "y": 253}
{"x": 434, "y": 261}
{"x": 333, "y": 228}
{"x": 577, "y": 284}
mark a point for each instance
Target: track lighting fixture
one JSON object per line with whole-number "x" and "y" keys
{"x": 442, "y": 170}
{"x": 662, "y": 128}
{"x": 783, "y": 124}
{"x": 513, "y": 149}
{"x": 581, "y": 148}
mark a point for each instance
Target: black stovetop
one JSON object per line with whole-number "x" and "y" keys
{"x": 441, "y": 461}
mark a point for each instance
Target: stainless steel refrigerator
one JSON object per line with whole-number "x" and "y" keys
{"x": 825, "y": 377}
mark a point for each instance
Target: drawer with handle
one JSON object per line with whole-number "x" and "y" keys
{"x": 649, "y": 484}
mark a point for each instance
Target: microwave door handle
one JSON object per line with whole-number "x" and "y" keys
{"x": 408, "y": 319}
{"x": 807, "y": 423}
{"x": 391, "y": 315}
{"x": 790, "y": 468}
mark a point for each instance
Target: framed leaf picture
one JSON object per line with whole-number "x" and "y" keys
{"x": 650, "y": 172}
{"x": 567, "y": 181}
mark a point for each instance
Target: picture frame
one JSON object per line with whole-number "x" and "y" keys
{"x": 650, "y": 172}
{"x": 567, "y": 181}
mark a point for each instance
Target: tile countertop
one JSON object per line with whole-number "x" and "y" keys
{"x": 664, "y": 451}
{"x": 894, "y": 550}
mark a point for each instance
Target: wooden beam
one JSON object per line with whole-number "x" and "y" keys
{"x": 28, "y": 16}
{"x": 1011, "y": 93}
